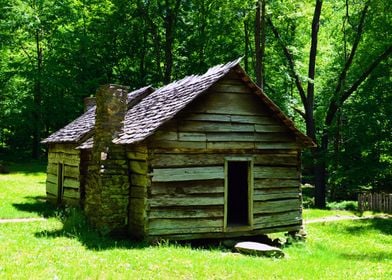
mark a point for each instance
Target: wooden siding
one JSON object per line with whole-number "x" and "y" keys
{"x": 186, "y": 165}
{"x": 139, "y": 183}
{"x": 69, "y": 158}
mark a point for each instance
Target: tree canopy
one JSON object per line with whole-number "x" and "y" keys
{"x": 325, "y": 63}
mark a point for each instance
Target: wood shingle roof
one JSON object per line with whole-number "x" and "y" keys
{"x": 146, "y": 113}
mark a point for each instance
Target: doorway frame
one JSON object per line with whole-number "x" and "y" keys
{"x": 249, "y": 226}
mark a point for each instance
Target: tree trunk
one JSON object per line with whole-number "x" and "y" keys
{"x": 37, "y": 98}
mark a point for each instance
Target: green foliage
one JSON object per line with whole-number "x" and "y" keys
{"x": 343, "y": 205}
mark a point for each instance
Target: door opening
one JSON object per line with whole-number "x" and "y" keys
{"x": 238, "y": 193}
{"x": 60, "y": 183}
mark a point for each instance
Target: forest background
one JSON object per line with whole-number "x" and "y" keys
{"x": 327, "y": 64}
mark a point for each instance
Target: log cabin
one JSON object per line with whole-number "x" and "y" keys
{"x": 208, "y": 156}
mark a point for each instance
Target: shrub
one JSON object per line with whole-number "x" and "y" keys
{"x": 343, "y": 205}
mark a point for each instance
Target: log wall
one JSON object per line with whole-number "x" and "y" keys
{"x": 186, "y": 159}
{"x": 69, "y": 158}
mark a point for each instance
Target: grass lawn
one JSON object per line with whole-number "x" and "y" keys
{"x": 54, "y": 249}
{"x": 22, "y": 192}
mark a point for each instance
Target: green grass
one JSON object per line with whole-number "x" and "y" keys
{"x": 22, "y": 192}
{"x": 60, "y": 248}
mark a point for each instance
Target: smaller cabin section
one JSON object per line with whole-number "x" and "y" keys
{"x": 64, "y": 176}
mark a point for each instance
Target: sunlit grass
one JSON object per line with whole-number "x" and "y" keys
{"x": 22, "y": 192}
{"x": 68, "y": 249}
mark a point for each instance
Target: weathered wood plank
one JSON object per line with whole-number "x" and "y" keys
{"x": 270, "y": 128}
{"x": 185, "y": 200}
{"x": 187, "y": 174}
{"x": 267, "y": 172}
{"x": 71, "y": 183}
{"x": 230, "y": 88}
{"x": 192, "y": 136}
{"x": 64, "y": 148}
{"x": 177, "y": 145}
{"x": 203, "y": 126}
{"x": 236, "y": 104}
{"x": 274, "y": 206}
{"x": 268, "y": 194}
{"x": 71, "y": 193}
{"x": 275, "y": 183}
{"x": 254, "y": 119}
{"x": 249, "y": 137}
{"x": 183, "y": 160}
{"x": 185, "y": 213}
{"x": 51, "y": 188}
{"x": 230, "y": 145}
{"x": 187, "y": 187}
{"x": 71, "y": 171}
{"x": 279, "y": 219}
{"x": 52, "y": 168}
{"x": 73, "y": 160}
{"x": 164, "y": 135}
{"x": 172, "y": 226}
{"x": 231, "y": 234}
{"x": 205, "y": 117}
{"x": 274, "y": 146}
{"x": 51, "y": 178}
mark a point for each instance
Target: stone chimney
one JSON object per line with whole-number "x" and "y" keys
{"x": 107, "y": 186}
{"x": 89, "y": 102}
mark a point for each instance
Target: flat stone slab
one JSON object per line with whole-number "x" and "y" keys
{"x": 258, "y": 249}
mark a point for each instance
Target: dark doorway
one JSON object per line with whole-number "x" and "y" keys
{"x": 60, "y": 182}
{"x": 237, "y": 193}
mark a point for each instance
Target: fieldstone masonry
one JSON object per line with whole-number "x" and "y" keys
{"x": 107, "y": 187}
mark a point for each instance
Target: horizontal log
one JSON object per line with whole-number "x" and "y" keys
{"x": 192, "y": 136}
{"x": 275, "y": 183}
{"x": 269, "y": 194}
{"x": 164, "y": 135}
{"x": 71, "y": 171}
{"x": 205, "y": 117}
{"x": 275, "y": 206}
{"x": 73, "y": 160}
{"x": 52, "y": 168}
{"x": 51, "y": 178}
{"x": 249, "y": 137}
{"x": 64, "y": 148}
{"x": 236, "y": 104}
{"x": 173, "y": 226}
{"x": 185, "y": 201}
{"x": 183, "y": 160}
{"x": 231, "y": 234}
{"x": 71, "y": 183}
{"x": 230, "y": 88}
{"x": 177, "y": 145}
{"x": 232, "y": 145}
{"x": 187, "y": 187}
{"x": 71, "y": 193}
{"x": 187, "y": 174}
{"x": 51, "y": 188}
{"x": 254, "y": 119}
{"x": 275, "y": 146}
{"x": 203, "y": 126}
{"x": 271, "y": 128}
{"x": 261, "y": 172}
{"x": 186, "y": 212}
{"x": 278, "y": 219}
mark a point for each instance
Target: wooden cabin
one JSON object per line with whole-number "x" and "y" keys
{"x": 208, "y": 156}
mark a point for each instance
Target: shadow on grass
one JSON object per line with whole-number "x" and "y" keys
{"x": 75, "y": 226}
{"x": 383, "y": 225}
{"x": 38, "y": 205}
